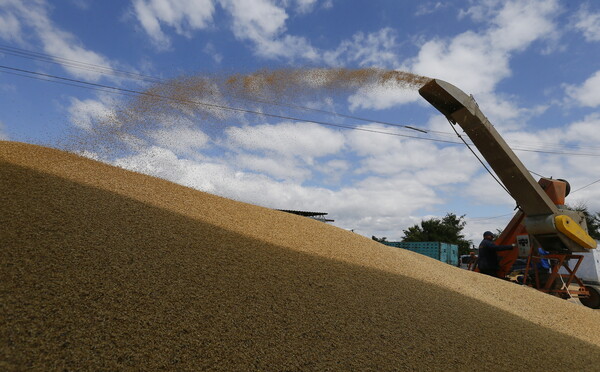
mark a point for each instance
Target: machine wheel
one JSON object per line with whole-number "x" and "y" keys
{"x": 594, "y": 300}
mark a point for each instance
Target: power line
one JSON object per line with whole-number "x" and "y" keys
{"x": 211, "y": 105}
{"x": 104, "y": 70}
{"x": 537, "y": 174}
{"x": 23, "y": 53}
{"x": 481, "y": 161}
{"x": 339, "y": 115}
{"x": 117, "y": 90}
{"x": 588, "y": 185}
{"x": 478, "y": 219}
{"x": 100, "y": 69}
{"x": 69, "y": 84}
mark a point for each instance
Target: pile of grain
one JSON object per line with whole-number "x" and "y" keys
{"x": 105, "y": 269}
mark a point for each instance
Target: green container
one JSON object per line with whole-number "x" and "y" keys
{"x": 444, "y": 252}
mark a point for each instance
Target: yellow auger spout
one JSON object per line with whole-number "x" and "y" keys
{"x": 570, "y": 228}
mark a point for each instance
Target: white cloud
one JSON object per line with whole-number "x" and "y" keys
{"x": 10, "y": 27}
{"x": 382, "y": 96}
{"x": 374, "y": 204}
{"x": 588, "y": 23}
{"x": 480, "y": 60}
{"x": 210, "y": 176}
{"x": 475, "y": 227}
{"x": 256, "y": 19}
{"x": 334, "y": 166}
{"x": 185, "y": 16}
{"x": 585, "y": 131}
{"x": 475, "y": 60}
{"x": 285, "y": 151}
{"x": 376, "y": 49}
{"x": 431, "y": 7}
{"x": 304, "y": 140}
{"x": 503, "y": 112}
{"x": 487, "y": 191}
{"x": 519, "y": 23}
{"x": 305, "y": 6}
{"x": 86, "y": 113}
{"x": 63, "y": 44}
{"x": 468, "y": 59}
{"x": 281, "y": 169}
{"x": 289, "y": 46}
{"x": 263, "y": 23}
{"x": 34, "y": 15}
{"x": 382, "y": 196}
{"x": 180, "y": 139}
{"x": 421, "y": 160}
{"x": 387, "y": 183}
{"x": 580, "y": 137}
{"x": 587, "y": 94}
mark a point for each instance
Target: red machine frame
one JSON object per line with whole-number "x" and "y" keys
{"x": 557, "y": 262}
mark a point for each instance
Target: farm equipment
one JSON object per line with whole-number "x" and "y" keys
{"x": 542, "y": 220}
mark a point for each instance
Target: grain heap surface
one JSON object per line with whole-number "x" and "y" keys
{"x": 106, "y": 269}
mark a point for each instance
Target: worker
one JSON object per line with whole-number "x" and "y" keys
{"x": 545, "y": 271}
{"x": 488, "y": 262}
{"x": 544, "y": 264}
{"x": 472, "y": 263}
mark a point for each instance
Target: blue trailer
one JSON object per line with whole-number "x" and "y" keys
{"x": 440, "y": 251}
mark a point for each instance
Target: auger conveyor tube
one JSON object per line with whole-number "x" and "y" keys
{"x": 462, "y": 109}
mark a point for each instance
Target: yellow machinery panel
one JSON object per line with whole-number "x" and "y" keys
{"x": 570, "y": 228}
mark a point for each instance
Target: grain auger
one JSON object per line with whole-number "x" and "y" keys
{"x": 542, "y": 220}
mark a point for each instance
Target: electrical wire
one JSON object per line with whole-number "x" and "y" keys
{"x": 69, "y": 84}
{"x": 104, "y": 70}
{"x": 512, "y": 213}
{"x": 491, "y": 218}
{"x": 74, "y": 82}
{"x": 123, "y": 91}
{"x": 537, "y": 174}
{"x": 588, "y": 185}
{"x": 23, "y": 53}
{"x": 151, "y": 79}
{"x": 476, "y": 156}
{"x": 290, "y": 105}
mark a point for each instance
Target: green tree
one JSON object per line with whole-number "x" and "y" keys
{"x": 447, "y": 230}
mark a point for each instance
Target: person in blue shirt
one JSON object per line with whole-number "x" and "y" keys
{"x": 544, "y": 271}
{"x": 544, "y": 264}
{"x": 488, "y": 262}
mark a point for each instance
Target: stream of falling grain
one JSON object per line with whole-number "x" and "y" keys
{"x": 211, "y": 103}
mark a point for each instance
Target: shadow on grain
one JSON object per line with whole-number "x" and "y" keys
{"x": 94, "y": 280}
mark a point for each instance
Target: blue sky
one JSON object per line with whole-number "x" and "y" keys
{"x": 532, "y": 65}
